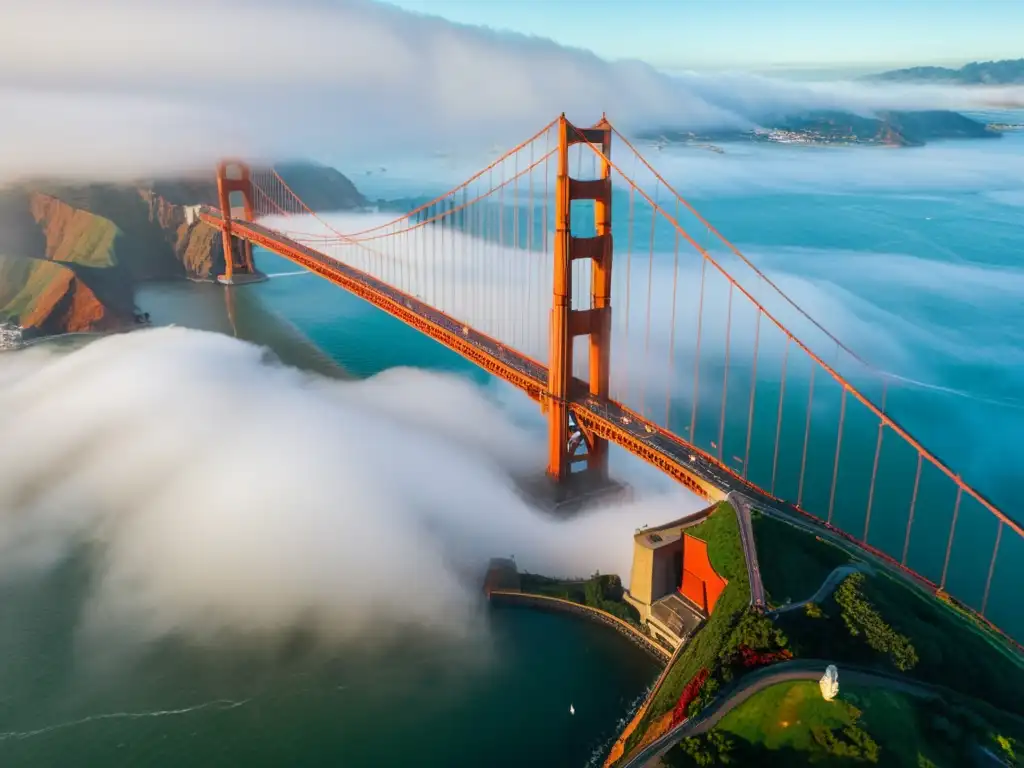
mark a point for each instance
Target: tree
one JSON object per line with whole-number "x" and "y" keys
{"x": 862, "y": 619}
{"x": 712, "y": 748}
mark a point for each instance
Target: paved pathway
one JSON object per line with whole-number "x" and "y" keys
{"x": 742, "y": 505}
{"x": 827, "y": 587}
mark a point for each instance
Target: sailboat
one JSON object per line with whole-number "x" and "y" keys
{"x": 572, "y": 709}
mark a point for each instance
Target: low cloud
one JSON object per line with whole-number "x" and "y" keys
{"x": 958, "y": 367}
{"x": 221, "y": 494}
{"x": 151, "y": 87}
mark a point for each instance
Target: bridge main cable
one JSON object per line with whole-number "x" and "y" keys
{"x": 847, "y": 386}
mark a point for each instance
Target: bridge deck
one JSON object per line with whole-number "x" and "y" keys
{"x": 695, "y": 469}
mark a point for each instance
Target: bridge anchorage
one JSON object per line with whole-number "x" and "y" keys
{"x": 239, "y": 267}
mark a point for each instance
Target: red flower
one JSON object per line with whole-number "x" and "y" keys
{"x": 688, "y": 695}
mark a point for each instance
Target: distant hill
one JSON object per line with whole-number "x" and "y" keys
{"x": 71, "y": 254}
{"x": 321, "y": 187}
{"x": 893, "y": 128}
{"x": 1005, "y": 72}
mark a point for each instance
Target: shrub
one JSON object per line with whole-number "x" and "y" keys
{"x": 748, "y": 658}
{"x": 712, "y": 748}
{"x": 679, "y": 713}
{"x": 862, "y": 618}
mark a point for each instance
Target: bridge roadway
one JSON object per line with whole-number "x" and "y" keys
{"x": 695, "y": 469}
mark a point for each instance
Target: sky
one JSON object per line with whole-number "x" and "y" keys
{"x": 128, "y": 89}
{"x": 760, "y": 34}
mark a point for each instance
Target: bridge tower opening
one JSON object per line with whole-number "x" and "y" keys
{"x": 565, "y": 437}
{"x": 233, "y": 177}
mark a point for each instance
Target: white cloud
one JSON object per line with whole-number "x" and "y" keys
{"x": 131, "y": 87}
{"x": 220, "y": 494}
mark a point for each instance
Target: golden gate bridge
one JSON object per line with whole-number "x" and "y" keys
{"x": 513, "y": 269}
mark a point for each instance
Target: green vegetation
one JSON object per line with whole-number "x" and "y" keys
{"x": 807, "y": 562}
{"x": 106, "y": 238}
{"x": 872, "y": 620}
{"x": 791, "y": 724}
{"x": 862, "y": 618}
{"x": 721, "y": 531}
{"x": 15, "y": 289}
{"x": 879, "y": 621}
{"x": 730, "y": 625}
{"x": 786, "y": 724}
{"x": 26, "y": 283}
{"x": 602, "y": 592}
{"x": 88, "y": 240}
{"x": 320, "y": 187}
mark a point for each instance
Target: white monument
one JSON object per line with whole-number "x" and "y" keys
{"x": 829, "y": 683}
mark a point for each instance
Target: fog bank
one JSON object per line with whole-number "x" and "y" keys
{"x": 131, "y": 87}
{"x": 220, "y": 494}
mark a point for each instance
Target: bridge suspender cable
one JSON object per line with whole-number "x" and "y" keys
{"x": 884, "y": 418}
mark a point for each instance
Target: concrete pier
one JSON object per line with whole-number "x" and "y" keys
{"x": 575, "y": 494}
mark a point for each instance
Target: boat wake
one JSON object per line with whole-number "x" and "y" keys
{"x": 220, "y": 704}
{"x": 1006, "y": 403}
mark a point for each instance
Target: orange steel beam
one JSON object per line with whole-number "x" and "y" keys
{"x": 601, "y": 297}
{"x": 535, "y": 386}
{"x": 560, "y": 356}
{"x": 411, "y": 214}
{"x": 612, "y": 432}
{"x": 883, "y": 417}
{"x": 359, "y": 283}
{"x": 567, "y": 322}
{"x": 225, "y": 186}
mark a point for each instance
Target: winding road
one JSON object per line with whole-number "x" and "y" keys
{"x": 827, "y": 587}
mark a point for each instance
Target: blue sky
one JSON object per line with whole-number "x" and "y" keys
{"x": 760, "y": 34}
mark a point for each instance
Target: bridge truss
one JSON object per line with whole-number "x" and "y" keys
{"x": 682, "y": 354}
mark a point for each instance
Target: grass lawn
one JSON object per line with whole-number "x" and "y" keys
{"x": 782, "y": 716}
{"x": 790, "y": 724}
{"x": 722, "y": 533}
{"x": 793, "y": 563}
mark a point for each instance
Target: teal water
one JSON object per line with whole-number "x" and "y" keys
{"x": 911, "y": 258}
{"x": 500, "y": 697}
{"x": 917, "y": 269}
{"x": 502, "y": 700}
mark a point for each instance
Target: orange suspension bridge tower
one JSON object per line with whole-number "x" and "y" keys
{"x": 239, "y": 266}
{"x": 474, "y": 273}
{"x": 566, "y": 322}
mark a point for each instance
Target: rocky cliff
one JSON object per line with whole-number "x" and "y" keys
{"x": 72, "y": 254}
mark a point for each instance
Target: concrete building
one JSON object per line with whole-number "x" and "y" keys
{"x": 672, "y": 583}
